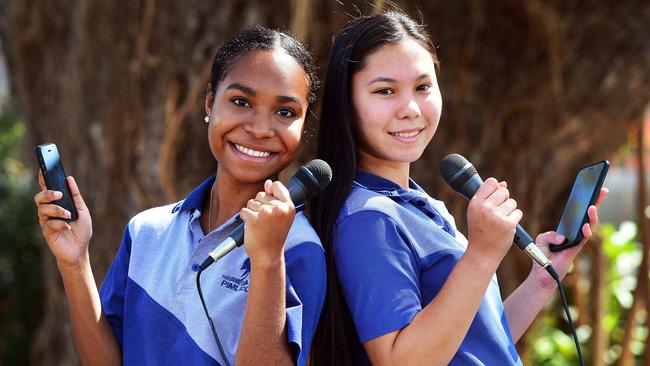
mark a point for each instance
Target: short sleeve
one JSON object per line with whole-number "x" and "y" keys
{"x": 379, "y": 273}
{"x": 306, "y": 287}
{"x": 114, "y": 287}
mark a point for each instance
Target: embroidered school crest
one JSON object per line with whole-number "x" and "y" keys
{"x": 246, "y": 269}
{"x": 238, "y": 284}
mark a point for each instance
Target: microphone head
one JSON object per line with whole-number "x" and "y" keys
{"x": 315, "y": 176}
{"x": 456, "y": 170}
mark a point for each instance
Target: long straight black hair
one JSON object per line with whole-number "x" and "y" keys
{"x": 336, "y": 339}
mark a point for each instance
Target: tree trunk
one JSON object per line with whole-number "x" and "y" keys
{"x": 532, "y": 90}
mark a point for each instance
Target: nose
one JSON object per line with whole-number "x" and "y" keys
{"x": 410, "y": 109}
{"x": 260, "y": 126}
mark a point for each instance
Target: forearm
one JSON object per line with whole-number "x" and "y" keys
{"x": 263, "y": 338}
{"x": 437, "y": 331}
{"x": 92, "y": 334}
{"x": 523, "y": 305}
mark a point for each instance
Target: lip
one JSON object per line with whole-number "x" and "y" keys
{"x": 250, "y": 158}
{"x": 412, "y": 134}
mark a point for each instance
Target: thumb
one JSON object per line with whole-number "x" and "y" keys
{"x": 76, "y": 195}
{"x": 280, "y": 192}
{"x": 549, "y": 237}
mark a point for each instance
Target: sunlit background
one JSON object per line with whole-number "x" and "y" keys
{"x": 532, "y": 91}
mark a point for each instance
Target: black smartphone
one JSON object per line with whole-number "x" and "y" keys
{"x": 50, "y": 163}
{"x": 584, "y": 193}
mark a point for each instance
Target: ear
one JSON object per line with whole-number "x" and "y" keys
{"x": 209, "y": 100}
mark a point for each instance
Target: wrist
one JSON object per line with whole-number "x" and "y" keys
{"x": 540, "y": 280}
{"x": 80, "y": 266}
{"x": 481, "y": 262}
{"x": 267, "y": 261}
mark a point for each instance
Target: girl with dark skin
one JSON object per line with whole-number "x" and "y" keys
{"x": 262, "y": 84}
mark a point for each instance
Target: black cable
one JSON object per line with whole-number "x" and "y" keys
{"x": 556, "y": 277}
{"x": 205, "y": 308}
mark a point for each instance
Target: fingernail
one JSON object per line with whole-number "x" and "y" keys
{"x": 67, "y": 214}
{"x": 559, "y": 237}
{"x": 57, "y": 194}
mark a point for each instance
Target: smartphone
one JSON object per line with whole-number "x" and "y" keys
{"x": 584, "y": 193}
{"x": 50, "y": 164}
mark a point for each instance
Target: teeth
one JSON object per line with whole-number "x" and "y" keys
{"x": 406, "y": 134}
{"x": 251, "y": 152}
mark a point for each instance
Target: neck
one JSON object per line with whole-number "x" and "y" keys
{"x": 397, "y": 172}
{"x": 229, "y": 196}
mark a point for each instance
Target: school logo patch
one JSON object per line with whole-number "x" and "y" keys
{"x": 238, "y": 284}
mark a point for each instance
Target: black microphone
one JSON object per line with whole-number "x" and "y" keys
{"x": 309, "y": 180}
{"x": 461, "y": 175}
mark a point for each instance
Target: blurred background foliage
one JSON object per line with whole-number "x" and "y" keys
{"x": 21, "y": 287}
{"x": 552, "y": 346}
{"x": 532, "y": 90}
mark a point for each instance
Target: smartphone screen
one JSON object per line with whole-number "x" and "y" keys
{"x": 584, "y": 193}
{"x": 55, "y": 179}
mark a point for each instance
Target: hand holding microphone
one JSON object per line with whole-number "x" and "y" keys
{"x": 309, "y": 180}
{"x": 461, "y": 175}
{"x": 491, "y": 219}
{"x": 272, "y": 208}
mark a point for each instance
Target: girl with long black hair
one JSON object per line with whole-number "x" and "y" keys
{"x": 404, "y": 285}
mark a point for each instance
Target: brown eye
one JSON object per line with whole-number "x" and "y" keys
{"x": 385, "y": 91}
{"x": 424, "y": 87}
{"x": 286, "y": 113}
{"x": 240, "y": 102}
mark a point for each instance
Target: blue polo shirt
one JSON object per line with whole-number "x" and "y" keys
{"x": 395, "y": 249}
{"x": 149, "y": 295}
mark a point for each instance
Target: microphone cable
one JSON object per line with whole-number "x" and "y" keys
{"x": 299, "y": 208}
{"x": 463, "y": 178}
{"x": 207, "y": 314}
{"x": 565, "y": 304}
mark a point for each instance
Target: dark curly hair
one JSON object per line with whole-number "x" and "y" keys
{"x": 262, "y": 38}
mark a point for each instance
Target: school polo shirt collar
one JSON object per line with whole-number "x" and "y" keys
{"x": 194, "y": 201}
{"x": 415, "y": 197}
{"x": 196, "y": 198}
{"x": 387, "y": 187}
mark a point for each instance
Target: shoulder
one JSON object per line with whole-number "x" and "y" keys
{"x": 301, "y": 232}
{"x": 361, "y": 199}
{"x": 369, "y": 234}
{"x": 153, "y": 219}
{"x": 304, "y": 253}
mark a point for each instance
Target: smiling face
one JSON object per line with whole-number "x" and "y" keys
{"x": 257, "y": 115}
{"x": 397, "y": 103}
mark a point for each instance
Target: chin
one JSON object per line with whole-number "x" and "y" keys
{"x": 251, "y": 179}
{"x": 406, "y": 158}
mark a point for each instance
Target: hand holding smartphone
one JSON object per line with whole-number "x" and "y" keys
{"x": 585, "y": 191}
{"x": 51, "y": 167}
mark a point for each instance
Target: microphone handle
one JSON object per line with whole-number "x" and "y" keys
{"x": 236, "y": 239}
{"x": 522, "y": 239}
{"x": 526, "y": 243}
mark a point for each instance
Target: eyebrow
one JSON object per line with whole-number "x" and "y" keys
{"x": 250, "y": 91}
{"x": 382, "y": 79}
{"x": 391, "y": 80}
{"x": 243, "y": 88}
{"x": 287, "y": 99}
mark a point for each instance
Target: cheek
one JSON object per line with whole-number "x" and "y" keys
{"x": 292, "y": 136}
{"x": 431, "y": 109}
{"x": 370, "y": 114}
{"x": 213, "y": 140}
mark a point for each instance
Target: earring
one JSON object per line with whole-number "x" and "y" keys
{"x": 207, "y": 119}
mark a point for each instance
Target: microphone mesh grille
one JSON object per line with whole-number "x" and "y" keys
{"x": 320, "y": 170}
{"x": 451, "y": 165}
